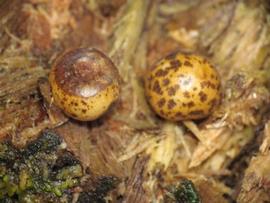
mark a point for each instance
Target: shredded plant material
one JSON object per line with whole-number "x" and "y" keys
{"x": 130, "y": 154}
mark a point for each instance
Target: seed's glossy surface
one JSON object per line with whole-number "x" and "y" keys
{"x": 84, "y": 83}
{"x": 183, "y": 87}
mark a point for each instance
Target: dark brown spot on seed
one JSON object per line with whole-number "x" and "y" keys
{"x": 175, "y": 64}
{"x": 208, "y": 84}
{"x": 165, "y": 82}
{"x": 83, "y": 102}
{"x": 190, "y": 104}
{"x": 203, "y": 96}
{"x": 84, "y": 110}
{"x": 186, "y": 94}
{"x": 161, "y": 73}
{"x": 213, "y": 86}
{"x": 172, "y": 90}
{"x": 171, "y": 104}
{"x": 161, "y": 102}
{"x": 187, "y": 63}
{"x": 157, "y": 88}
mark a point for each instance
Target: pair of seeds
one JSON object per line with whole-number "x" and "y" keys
{"x": 84, "y": 83}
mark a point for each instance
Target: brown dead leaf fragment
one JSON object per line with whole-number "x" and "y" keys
{"x": 134, "y": 189}
{"x": 97, "y": 146}
{"x": 20, "y": 107}
{"x": 39, "y": 31}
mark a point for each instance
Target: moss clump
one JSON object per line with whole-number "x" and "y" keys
{"x": 184, "y": 192}
{"x": 41, "y": 172}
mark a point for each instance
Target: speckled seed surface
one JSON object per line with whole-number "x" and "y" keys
{"x": 183, "y": 87}
{"x": 84, "y": 83}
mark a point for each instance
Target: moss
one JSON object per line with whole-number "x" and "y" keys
{"x": 48, "y": 142}
{"x": 184, "y": 192}
{"x": 42, "y": 170}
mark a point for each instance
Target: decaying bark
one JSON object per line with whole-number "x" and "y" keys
{"x": 130, "y": 142}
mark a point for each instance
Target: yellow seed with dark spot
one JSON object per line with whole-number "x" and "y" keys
{"x": 84, "y": 83}
{"x": 183, "y": 87}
